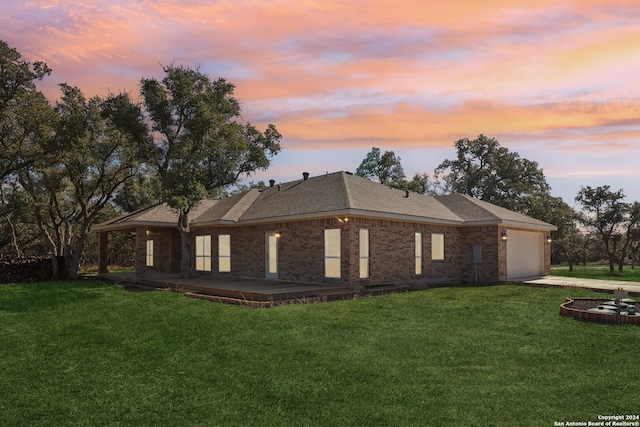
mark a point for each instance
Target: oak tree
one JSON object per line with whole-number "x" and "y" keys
{"x": 26, "y": 117}
{"x": 485, "y": 170}
{"x": 98, "y": 145}
{"x": 612, "y": 219}
{"x": 202, "y": 144}
{"x": 385, "y": 168}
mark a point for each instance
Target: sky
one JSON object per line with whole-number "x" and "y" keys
{"x": 556, "y": 81}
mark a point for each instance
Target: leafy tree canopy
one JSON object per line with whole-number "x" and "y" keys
{"x": 98, "y": 145}
{"x": 613, "y": 220}
{"x": 25, "y": 114}
{"x": 202, "y": 145}
{"x": 485, "y": 170}
{"x": 385, "y": 168}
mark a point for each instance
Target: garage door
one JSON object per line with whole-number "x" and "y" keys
{"x": 525, "y": 254}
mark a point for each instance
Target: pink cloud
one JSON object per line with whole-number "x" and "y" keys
{"x": 334, "y": 74}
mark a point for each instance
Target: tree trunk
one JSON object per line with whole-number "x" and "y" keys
{"x": 70, "y": 271}
{"x": 55, "y": 271}
{"x": 185, "y": 239}
{"x": 72, "y": 259}
{"x": 75, "y": 250}
{"x": 14, "y": 237}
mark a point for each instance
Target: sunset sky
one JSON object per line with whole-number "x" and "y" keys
{"x": 557, "y": 82}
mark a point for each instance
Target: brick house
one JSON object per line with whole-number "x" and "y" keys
{"x": 343, "y": 230}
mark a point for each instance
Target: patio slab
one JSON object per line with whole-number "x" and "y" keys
{"x": 595, "y": 284}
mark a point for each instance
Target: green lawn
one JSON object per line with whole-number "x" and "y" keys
{"x": 598, "y": 272}
{"x": 86, "y": 354}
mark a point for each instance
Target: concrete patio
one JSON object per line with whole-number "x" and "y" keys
{"x": 594, "y": 284}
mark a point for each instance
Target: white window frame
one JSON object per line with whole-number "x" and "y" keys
{"x": 332, "y": 257}
{"x": 149, "y": 253}
{"x": 224, "y": 253}
{"x": 363, "y": 244}
{"x": 437, "y": 247}
{"x": 203, "y": 252}
{"x": 418, "y": 253}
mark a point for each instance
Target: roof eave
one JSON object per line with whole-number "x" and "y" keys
{"x": 545, "y": 227}
{"x": 339, "y": 213}
{"x": 132, "y": 225}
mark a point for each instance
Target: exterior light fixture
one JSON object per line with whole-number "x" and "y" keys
{"x": 504, "y": 236}
{"x": 278, "y": 235}
{"x": 549, "y": 238}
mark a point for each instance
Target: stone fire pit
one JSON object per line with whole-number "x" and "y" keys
{"x": 620, "y": 310}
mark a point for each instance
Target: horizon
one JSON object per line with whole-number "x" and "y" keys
{"x": 555, "y": 83}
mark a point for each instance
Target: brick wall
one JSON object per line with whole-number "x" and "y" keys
{"x": 487, "y": 237}
{"x": 300, "y": 250}
{"x": 167, "y": 250}
{"x": 391, "y": 252}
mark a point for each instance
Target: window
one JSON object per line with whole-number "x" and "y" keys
{"x": 418, "y": 253}
{"x": 437, "y": 247}
{"x": 364, "y": 253}
{"x": 149, "y": 257}
{"x": 224, "y": 253}
{"x": 203, "y": 253}
{"x": 332, "y": 253}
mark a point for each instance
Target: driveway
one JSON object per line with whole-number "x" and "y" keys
{"x": 595, "y": 284}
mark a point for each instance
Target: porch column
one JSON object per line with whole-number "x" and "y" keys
{"x": 103, "y": 264}
{"x": 141, "y": 252}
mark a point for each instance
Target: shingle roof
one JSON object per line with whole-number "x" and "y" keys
{"x": 229, "y": 209}
{"x": 160, "y": 214}
{"x": 338, "y": 193}
{"x": 473, "y": 210}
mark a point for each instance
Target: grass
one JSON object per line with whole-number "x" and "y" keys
{"x": 598, "y": 272}
{"x": 87, "y": 354}
{"x": 93, "y": 269}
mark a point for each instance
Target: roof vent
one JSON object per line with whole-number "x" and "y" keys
{"x": 406, "y": 193}
{"x": 279, "y": 187}
{"x": 272, "y": 182}
{"x": 305, "y": 175}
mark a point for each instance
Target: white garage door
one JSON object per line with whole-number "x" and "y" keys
{"x": 525, "y": 254}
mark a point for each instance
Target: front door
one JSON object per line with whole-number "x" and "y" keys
{"x": 271, "y": 255}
